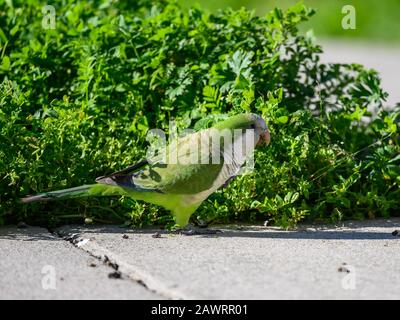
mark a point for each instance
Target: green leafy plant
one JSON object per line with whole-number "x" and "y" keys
{"x": 76, "y": 103}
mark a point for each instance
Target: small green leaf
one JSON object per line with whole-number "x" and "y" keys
{"x": 283, "y": 119}
{"x": 3, "y": 37}
{"x": 5, "y": 63}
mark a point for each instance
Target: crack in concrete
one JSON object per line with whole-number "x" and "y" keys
{"x": 110, "y": 259}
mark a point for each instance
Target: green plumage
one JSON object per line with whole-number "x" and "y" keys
{"x": 180, "y": 186}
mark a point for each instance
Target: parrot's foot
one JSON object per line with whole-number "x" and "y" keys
{"x": 191, "y": 230}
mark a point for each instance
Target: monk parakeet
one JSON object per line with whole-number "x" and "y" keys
{"x": 185, "y": 172}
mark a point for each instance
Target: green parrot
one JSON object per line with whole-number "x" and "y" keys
{"x": 184, "y": 172}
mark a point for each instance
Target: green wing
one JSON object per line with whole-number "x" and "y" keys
{"x": 178, "y": 177}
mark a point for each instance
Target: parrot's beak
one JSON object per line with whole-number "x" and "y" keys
{"x": 265, "y": 137}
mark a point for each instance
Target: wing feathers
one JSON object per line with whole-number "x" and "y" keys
{"x": 129, "y": 169}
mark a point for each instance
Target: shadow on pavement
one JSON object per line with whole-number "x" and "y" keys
{"x": 26, "y": 234}
{"x": 379, "y": 229}
{"x": 350, "y": 233}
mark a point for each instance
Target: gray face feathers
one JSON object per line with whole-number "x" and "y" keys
{"x": 261, "y": 129}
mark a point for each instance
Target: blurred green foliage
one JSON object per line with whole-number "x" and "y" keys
{"x": 376, "y": 21}
{"x": 76, "y": 103}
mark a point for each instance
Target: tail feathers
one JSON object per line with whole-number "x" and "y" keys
{"x": 76, "y": 192}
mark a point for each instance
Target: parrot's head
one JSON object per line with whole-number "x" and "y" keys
{"x": 247, "y": 121}
{"x": 261, "y": 129}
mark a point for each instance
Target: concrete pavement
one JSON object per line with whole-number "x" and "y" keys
{"x": 358, "y": 260}
{"x": 35, "y": 264}
{"x": 355, "y": 260}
